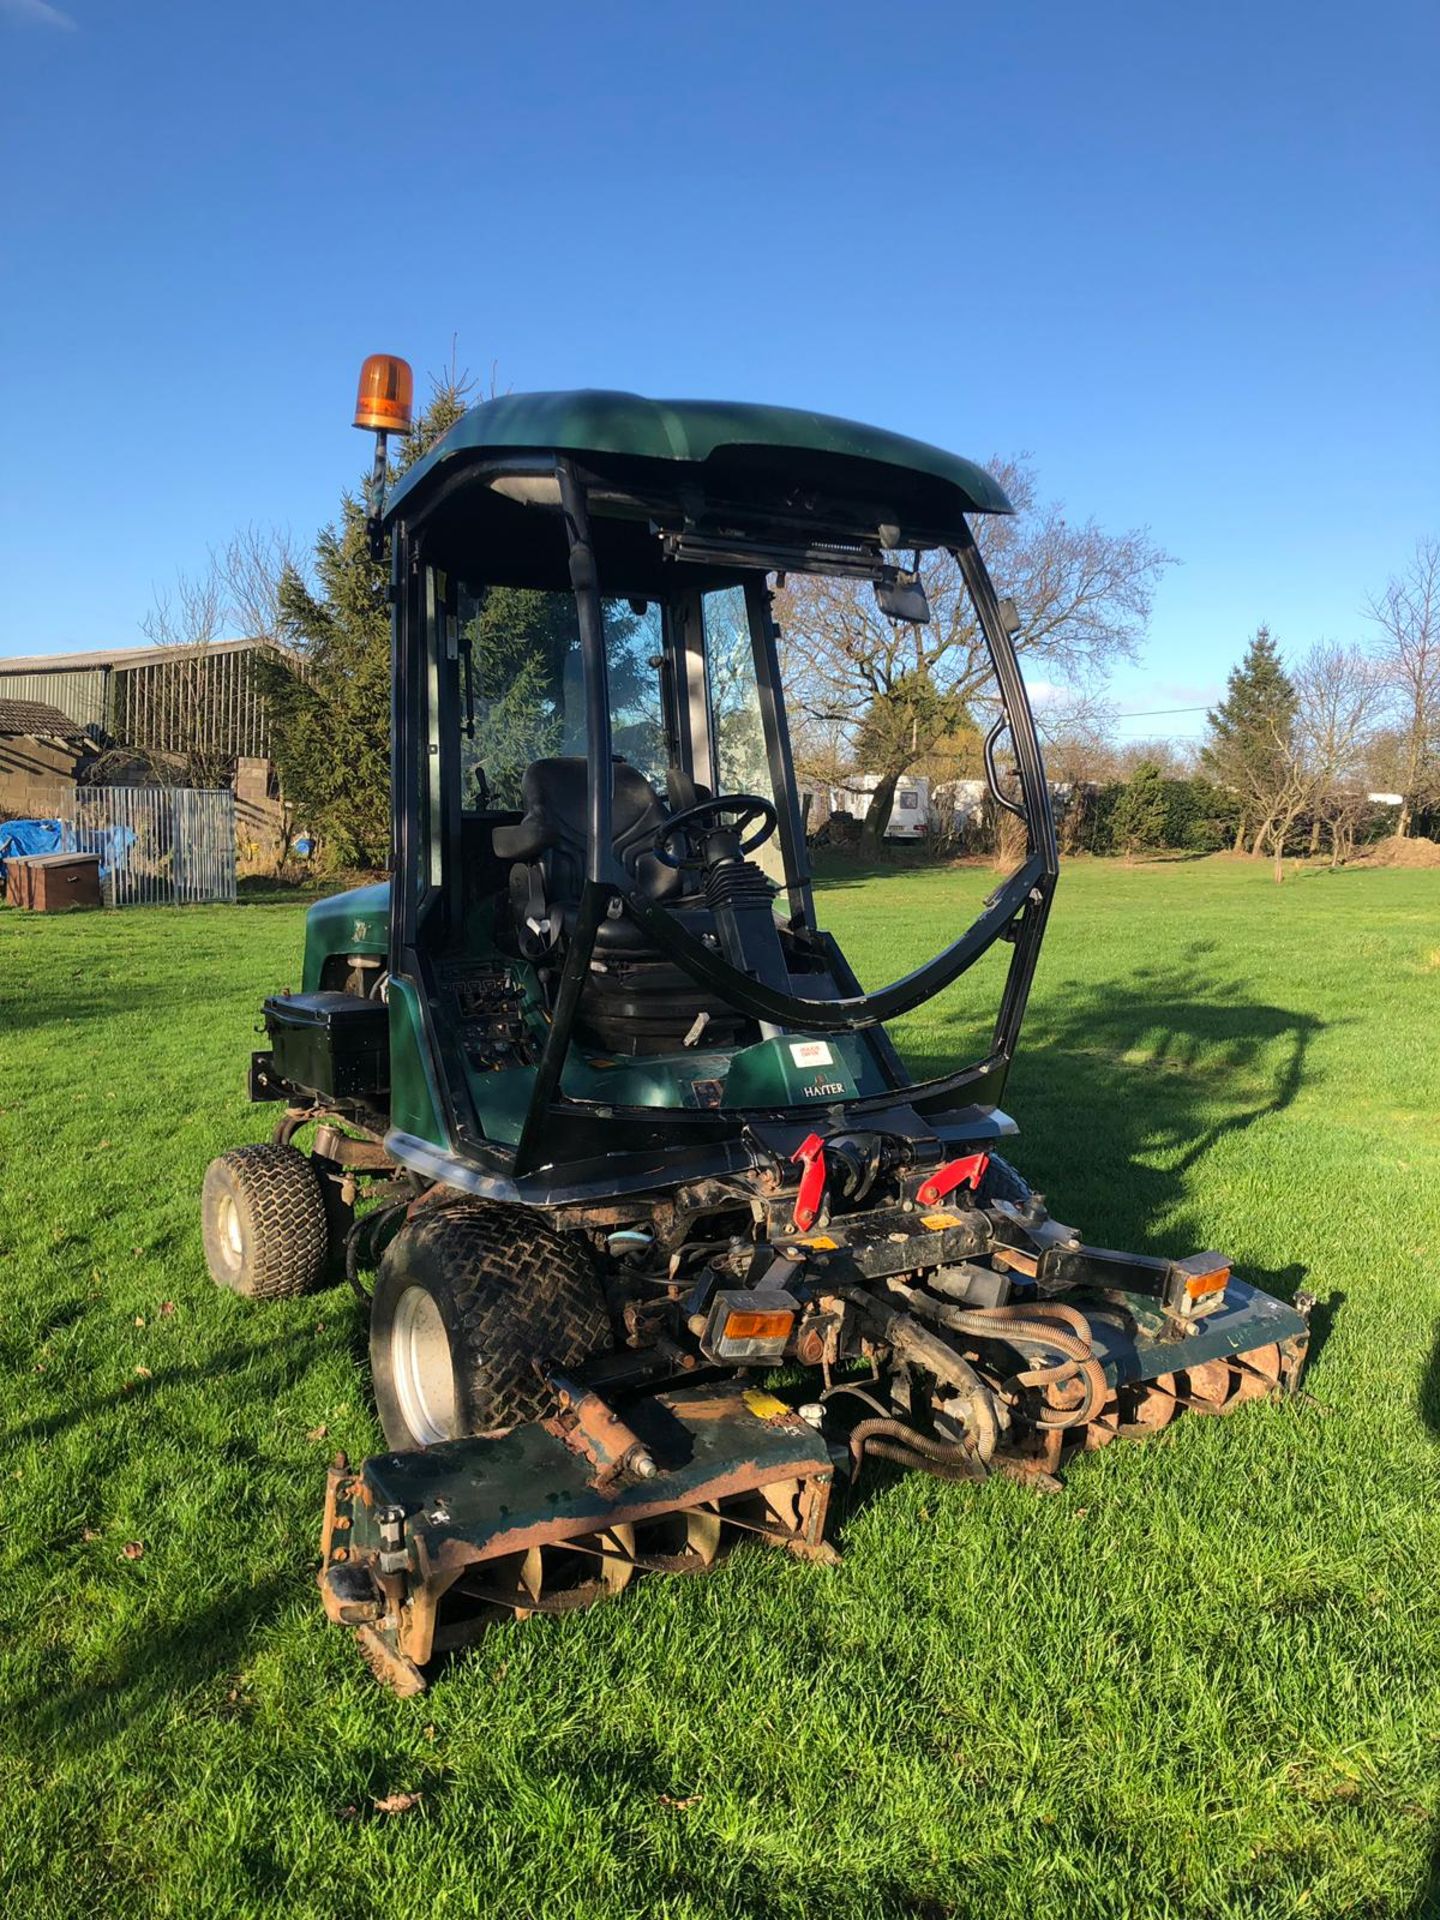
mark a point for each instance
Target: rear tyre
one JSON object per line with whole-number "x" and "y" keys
{"x": 467, "y": 1299}
{"x": 262, "y": 1216}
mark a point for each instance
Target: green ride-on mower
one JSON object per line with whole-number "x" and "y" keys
{"x": 637, "y": 1135}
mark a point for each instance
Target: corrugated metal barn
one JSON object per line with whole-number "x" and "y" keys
{"x": 158, "y": 699}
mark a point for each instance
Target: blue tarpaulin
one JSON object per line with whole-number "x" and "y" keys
{"x": 21, "y": 837}
{"x": 18, "y": 838}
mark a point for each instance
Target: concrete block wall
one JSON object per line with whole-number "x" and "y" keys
{"x": 34, "y": 775}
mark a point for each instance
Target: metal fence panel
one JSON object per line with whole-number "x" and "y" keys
{"x": 158, "y": 846}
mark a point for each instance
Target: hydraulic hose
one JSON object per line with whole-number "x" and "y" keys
{"x": 913, "y": 1342}
{"x": 1036, "y": 1325}
{"x": 893, "y": 1440}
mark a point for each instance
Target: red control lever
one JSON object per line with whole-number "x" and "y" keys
{"x": 812, "y": 1181}
{"x": 968, "y": 1171}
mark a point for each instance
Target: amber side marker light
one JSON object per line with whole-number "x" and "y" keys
{"x": 1197, "y": 1285}
{"x": 756, "y": 1326}
{"x": 749, "y": 1324}
{"x": 386, "y": 396}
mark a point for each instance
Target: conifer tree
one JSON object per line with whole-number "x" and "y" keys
{"x": 1141, "y": 812}
{"x": 1251, "y": 732}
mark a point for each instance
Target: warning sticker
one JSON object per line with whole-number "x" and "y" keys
{"x": 821, "y": 1242}
{"x": 935, "y": 1221}
{"x": 764, "y": 1405}
{"x": 811, "y": 1053}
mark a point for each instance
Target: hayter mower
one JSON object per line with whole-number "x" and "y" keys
{"x": 636, "y": 1132}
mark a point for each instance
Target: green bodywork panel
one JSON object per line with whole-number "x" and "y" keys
{"x": 414, "y": 1098}
{"x": 595, "y": 421}
{"x": 353, "y": 922}
{"x": 802, "y": 1070}
{"x": 764, "y": 1075}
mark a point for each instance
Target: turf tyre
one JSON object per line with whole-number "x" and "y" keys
{"x": 1001, "y": 1181}
{"x": 264, "y": 1223}
{"x": 507, "y": 1290}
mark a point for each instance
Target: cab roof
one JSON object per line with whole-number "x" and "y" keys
{"x": 596, "y": 423}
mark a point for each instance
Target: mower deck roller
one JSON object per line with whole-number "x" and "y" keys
{"x": 422, "y": 1550}
{"x": 599, "y": 1101}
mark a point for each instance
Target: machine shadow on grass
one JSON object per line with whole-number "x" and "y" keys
{"x": 1122, "y": 1089}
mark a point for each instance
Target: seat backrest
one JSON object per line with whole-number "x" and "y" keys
{"x": 555, "y": 795}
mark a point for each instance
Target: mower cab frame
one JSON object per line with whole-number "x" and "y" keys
{"x": 563, "y": 1150}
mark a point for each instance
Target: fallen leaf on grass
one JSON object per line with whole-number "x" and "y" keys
{"x": 689, "y": 1800}
{"x": 144, "y": 1373}
{"x": 90, "y": 1533}
{"x": 139, "y": 1319}
{"x": 167, "y": 1306}
{"x": 133, "y": 1549}
{"x": 397, "y": 1803}
{"x": 317, "y": 1433}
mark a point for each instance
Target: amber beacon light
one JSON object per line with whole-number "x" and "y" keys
{"x": 386, "y": 393}
{"x": 382, "y": 406}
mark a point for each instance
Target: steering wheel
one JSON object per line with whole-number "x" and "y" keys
{"x": 735, "y": 812}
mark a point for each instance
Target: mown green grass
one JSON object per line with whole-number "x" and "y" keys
{"x": 1203, "y": 1680}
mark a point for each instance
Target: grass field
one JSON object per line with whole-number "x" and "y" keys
{"x": 1203, "y": 1680}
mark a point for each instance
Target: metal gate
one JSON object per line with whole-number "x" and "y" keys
{"x": 158, "y": 846}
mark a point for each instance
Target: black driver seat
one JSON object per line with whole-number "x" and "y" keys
{"x": 635, "y": 1001}
{"x": 548, "y": 844}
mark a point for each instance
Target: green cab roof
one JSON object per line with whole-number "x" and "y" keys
{"x": 595, "y": 421}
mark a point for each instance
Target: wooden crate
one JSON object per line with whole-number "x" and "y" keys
{"x": 54, "y": 882}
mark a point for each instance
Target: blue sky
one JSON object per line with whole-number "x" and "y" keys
{"x": 1186, "y": 258}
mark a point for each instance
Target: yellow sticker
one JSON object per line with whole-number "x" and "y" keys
{"x": 822, "y": 1241}
{"x": 935, "y": 1221}
{"x": 763, "y": 1405}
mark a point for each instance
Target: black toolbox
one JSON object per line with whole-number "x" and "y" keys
{"x": 332, "y": 1043}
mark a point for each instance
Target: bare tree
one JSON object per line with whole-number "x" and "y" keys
{"x": 1315, "y": 754}
{"x": 250, "y": 568}
{"x": 893, "y": 690}
{"x": 1335, "y": 723}
{"x": 1407, "y": 614}
{"x": 169, "y": 729}
{"x": 180, "y": 730}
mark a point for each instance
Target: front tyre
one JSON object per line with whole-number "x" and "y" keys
{"x": 263, "y": 1219}
{"x": 467, "y": 1299}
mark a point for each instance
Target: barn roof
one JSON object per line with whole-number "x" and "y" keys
{"x": 32, "y": 719}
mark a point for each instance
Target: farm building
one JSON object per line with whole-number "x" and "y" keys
{"x": 144, "y": 707}
{"x": 155, "y": 699}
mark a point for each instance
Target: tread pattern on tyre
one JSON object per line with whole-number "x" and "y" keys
{"x": 1003, "y": 1182}
{"x": 288, "y": 1242}
{"x": 522, "y": 1292}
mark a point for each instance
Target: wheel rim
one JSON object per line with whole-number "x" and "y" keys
{"x": 421, "y": 1367}
{"x": 232, "y": 1238}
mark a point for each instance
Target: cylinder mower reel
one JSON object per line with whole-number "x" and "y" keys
{"x": 598, "y": 1105}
